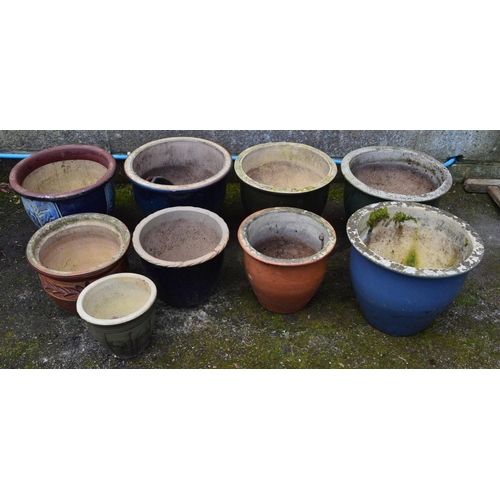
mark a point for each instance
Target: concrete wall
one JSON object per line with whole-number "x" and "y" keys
{"x": 475, "y": 145}
{"x": 480, "y": 148}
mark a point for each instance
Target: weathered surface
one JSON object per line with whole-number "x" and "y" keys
{"x": 232, "y": 330}
{"x": 480, "y": 185}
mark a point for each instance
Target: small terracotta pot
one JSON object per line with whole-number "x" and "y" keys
{"x": 120, "y": 312}
{"x": 285, "y": 254}
{"x": 182, "y": 251}
{"x": 65, "y": 180}
{"x": 179, "y": 171}
{"x": 70, "y": 253}
{"x": 284, "y": 174}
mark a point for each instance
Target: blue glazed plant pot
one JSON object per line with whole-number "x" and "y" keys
{"x": 383, "y": 173}
{"x": 182, "y": 251}
{"x": 408, "y": 263}
{"x": 284, "y": 174}
{"x": 65, "y": 180}
{"x": 179, "y": 171}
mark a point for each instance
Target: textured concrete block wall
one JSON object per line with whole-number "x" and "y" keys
{"x": 475, "y": 145}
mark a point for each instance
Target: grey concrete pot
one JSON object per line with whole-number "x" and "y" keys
{"x": 407, "y": 165}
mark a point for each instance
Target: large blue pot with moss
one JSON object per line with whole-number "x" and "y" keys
{"x": 179, "y": 171}
{"x": 408, "y": 263}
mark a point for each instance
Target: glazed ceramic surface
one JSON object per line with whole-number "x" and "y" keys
{"x": 283, "y": 174}
{"x": 394, "y": 295}
{"x": 182, "y": 250}
{"x": 358, "y": 194}
{"x": 71, "y": 252}
{"x": 188, "y": 172}
{"x": 65, "y": 180}
{"x": 120, "y": 312}
{"x": 285, "y": 285}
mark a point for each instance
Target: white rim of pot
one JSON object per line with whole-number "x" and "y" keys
{"x": 465, "y": 266}
{"x": 130, "y": 172}
{"x": 136, "y": 240}
{"x": 385, "y": 195}
{"x": 324, "y": 252}
{"x": 124, "y": 319}
{"x": 238, "y": 168}
{"x": 45, "y": 233}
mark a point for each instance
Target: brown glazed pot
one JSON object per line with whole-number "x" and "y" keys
{"x": 285, "y": 254}
{"x": 70, "y": 253}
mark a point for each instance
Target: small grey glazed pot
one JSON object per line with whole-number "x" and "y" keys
{"x": 120, "y": 312}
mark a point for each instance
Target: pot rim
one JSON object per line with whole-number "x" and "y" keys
{"x": 56, "y": 154}
{"x": 136, "y": 241}
{"x": 251, "y": 251}
{"x": 465, "y": 266}
{"x": 125, "y": 319}
{"x": 59, "y": 225}
{"x": 238, "y": 168}
{"x": 386, "y": 195}
{"x": 138, "y": 180}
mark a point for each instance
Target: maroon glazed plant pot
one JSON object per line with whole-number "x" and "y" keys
{"x": 65, "y": 180}
{"x": 71, "y": 252}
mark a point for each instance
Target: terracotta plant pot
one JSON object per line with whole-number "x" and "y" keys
{"x": 179, "y": 171}
{"x": 182, "y": 251}
{"x": 383, "y": 173}
{"x": 285, "y": 254}
{"x": 408, "y": 263}
{"x": 70, "y": 253}
{"x": 284, "y": 174}
{"x": 120, "y": 312}
{"x": 65, "y": 180}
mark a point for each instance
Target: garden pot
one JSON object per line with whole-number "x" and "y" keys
{"x": 285, "y": 254}
{"x": 408, "y": 263}
{"x": 65, "y": 180}
{"x": 179, "y": 171}
{"x": 284, "y": 174}
{"x": 71, "y": 252}
{"x": 182, "y": 251}
{"x": 382, "y": 173}
{"x": 120, "y": 312}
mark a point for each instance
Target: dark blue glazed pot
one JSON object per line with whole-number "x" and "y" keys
{"x": 284, "y": 174}
{"x": 65, "y": 180}
{"x": 189, "y": 172}
{"x": 182, "y": 251}
{"x": 399, "y": 298}
{"x": 358, "y": 194}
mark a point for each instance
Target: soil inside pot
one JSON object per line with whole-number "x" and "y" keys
{"x": 420, "y": 247}
{"x": 76, "y": 253}
{"x": 180, "y": 240}
{"x": 64, "y": 176}
{"x": 394, "y": 177}
{"x": 281, "y": 247}
{"x": 180, "y": 175}
{"x": 285, "y": 174}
